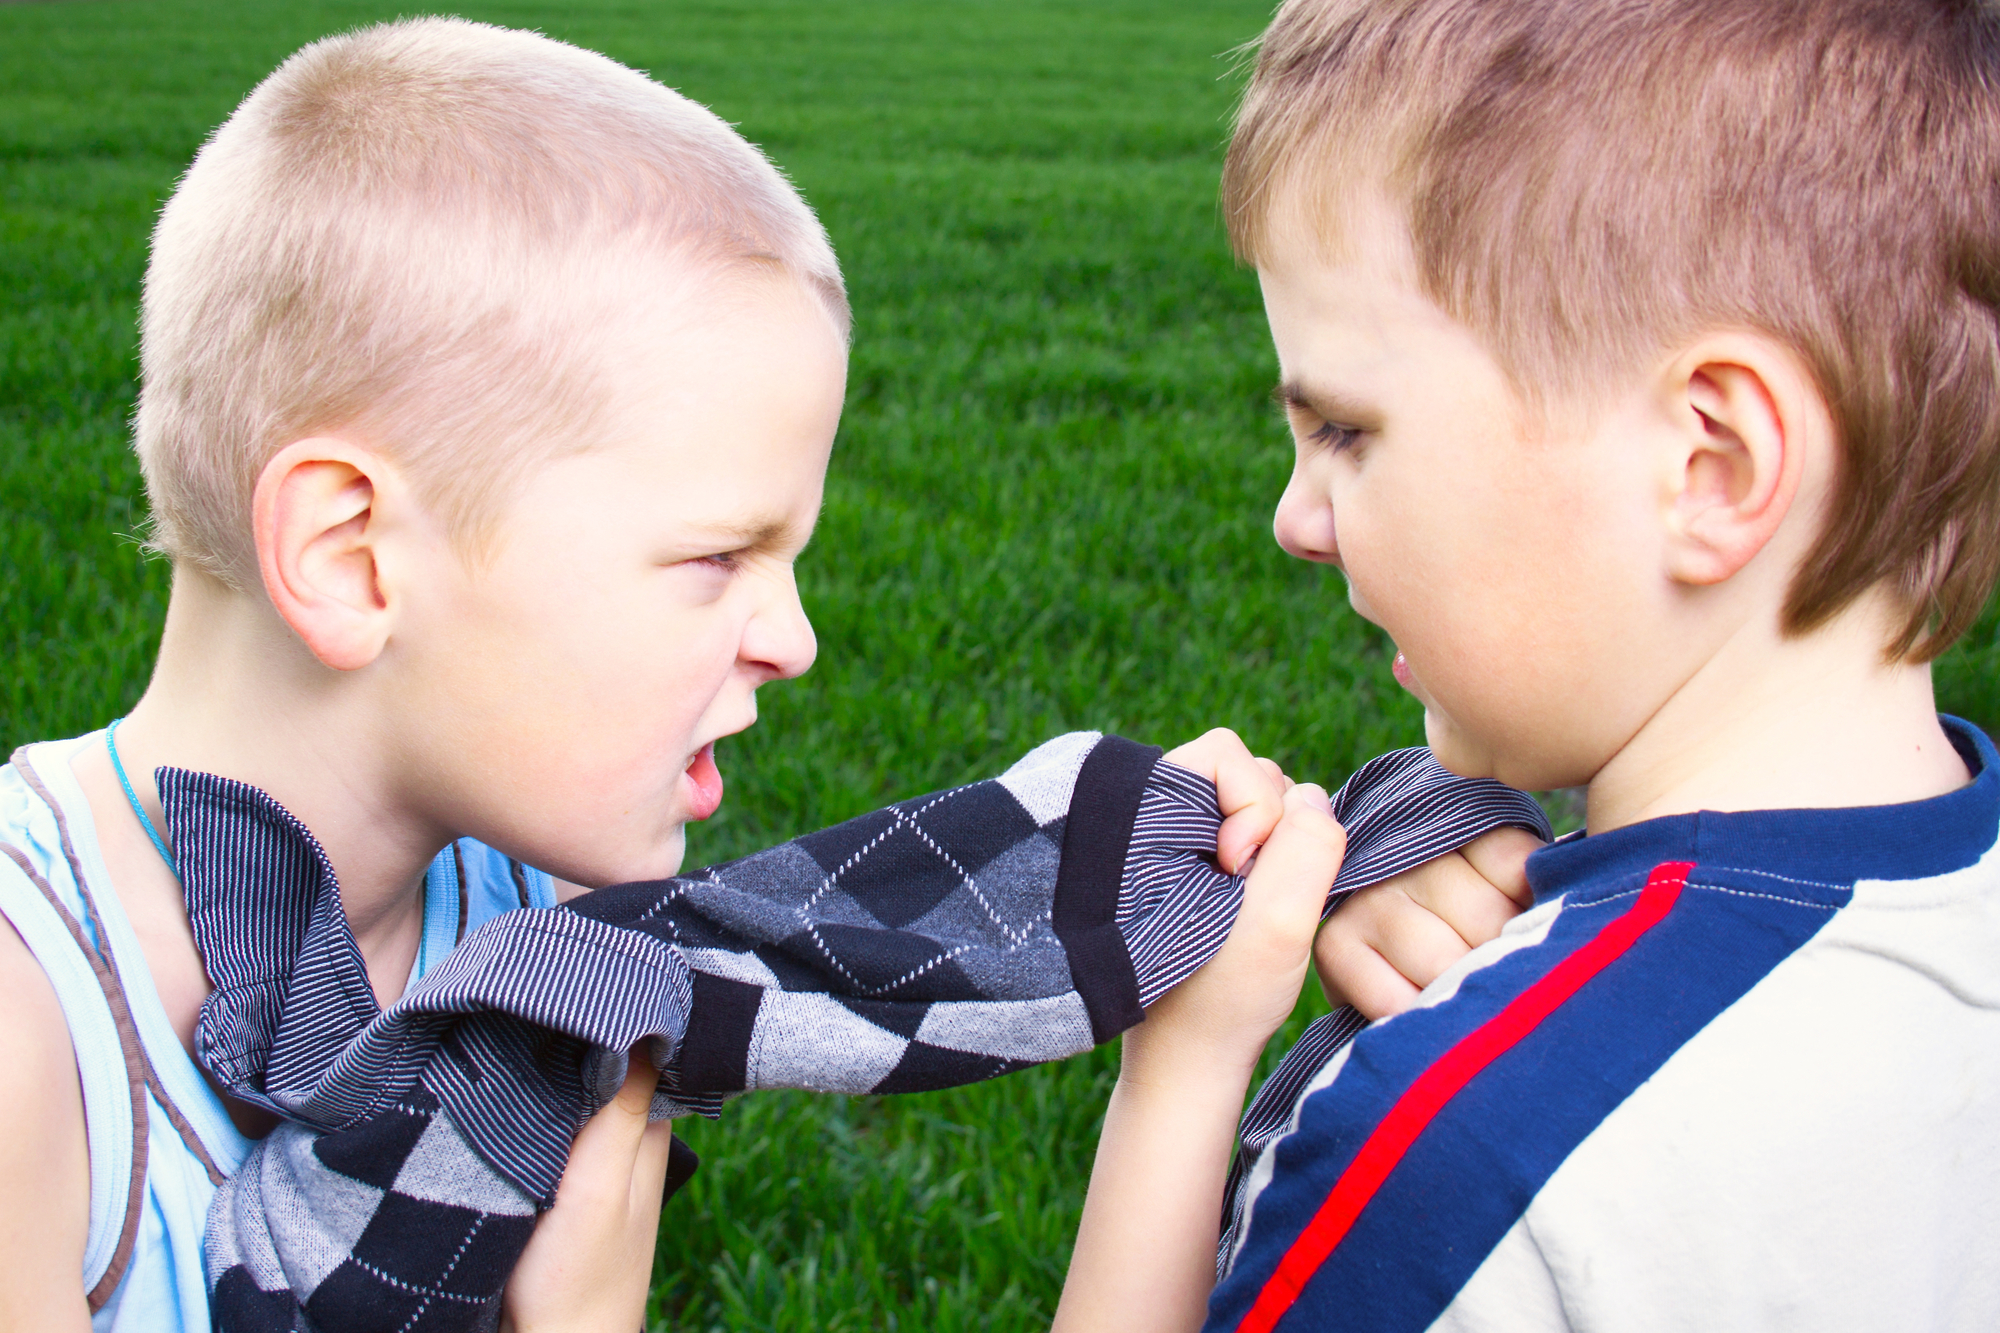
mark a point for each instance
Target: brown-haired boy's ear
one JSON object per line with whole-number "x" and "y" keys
{"x": 314, "y": 514}
{"x": 1746, "y": 418}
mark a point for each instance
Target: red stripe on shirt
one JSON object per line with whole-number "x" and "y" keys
{"x": 1437, "y": 1085}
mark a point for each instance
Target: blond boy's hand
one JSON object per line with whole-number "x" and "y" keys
{"x": 1249, "y": 790}
{"x": 590, "y": 1261}
{"x": 1387, "y": 942}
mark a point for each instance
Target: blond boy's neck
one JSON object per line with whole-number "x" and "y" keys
{"x": 234, "y": 692}
{"x": 1768, "y": 722}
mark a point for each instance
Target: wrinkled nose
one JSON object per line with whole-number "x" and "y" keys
{"x": 1303, "y": 524}
{"x": 779, "y": 639}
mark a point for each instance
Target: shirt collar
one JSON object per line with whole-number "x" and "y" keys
{"x": 1913, "y": 840}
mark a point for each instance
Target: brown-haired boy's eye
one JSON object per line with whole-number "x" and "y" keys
{"x": 1334, "y": 437}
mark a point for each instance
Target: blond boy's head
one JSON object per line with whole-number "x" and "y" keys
{"x": 420, "y": 234}
{"x": 1586, "y": 185}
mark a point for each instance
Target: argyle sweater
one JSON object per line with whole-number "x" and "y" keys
{"x": 937, "y": 942}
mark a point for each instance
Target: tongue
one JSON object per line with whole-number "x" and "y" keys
{"x": 705, "y": 782}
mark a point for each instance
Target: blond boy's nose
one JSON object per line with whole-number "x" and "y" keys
{"x": 780, "y": 637}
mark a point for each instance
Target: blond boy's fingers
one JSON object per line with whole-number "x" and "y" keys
{"x": 1466, "y": 901}
{"x": 649, "y": 1169}
{"x": 587, "y": 1264}
{"x": 1501, "y": 858}
{"x": 616, "y": 1132}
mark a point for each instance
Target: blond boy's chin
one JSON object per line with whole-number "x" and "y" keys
{"x": 634, "y": 858}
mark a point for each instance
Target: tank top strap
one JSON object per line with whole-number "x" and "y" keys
{"x": 467, "y": 885}
{"x": 128, "y": 1121}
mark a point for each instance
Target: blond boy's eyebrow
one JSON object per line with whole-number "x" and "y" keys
{"x": 753, "y": 532}
{"x": 1325, "y": 404}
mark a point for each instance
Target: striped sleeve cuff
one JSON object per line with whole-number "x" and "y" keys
{"x": 1175, "y": 904}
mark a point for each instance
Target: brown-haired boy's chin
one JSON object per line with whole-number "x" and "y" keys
{"x": 1470, "y": 756}
{"x": 1457, "y": 751}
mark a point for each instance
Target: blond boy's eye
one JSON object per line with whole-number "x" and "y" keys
{"x": 720, "y": 560}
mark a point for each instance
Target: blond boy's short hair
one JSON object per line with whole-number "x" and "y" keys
{"x": 1588, "y": 182}
{"x": 395, "y": 234}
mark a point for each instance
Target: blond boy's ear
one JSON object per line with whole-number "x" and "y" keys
{"x": 1746, "y": 422}
{"x": 316, "y": 513}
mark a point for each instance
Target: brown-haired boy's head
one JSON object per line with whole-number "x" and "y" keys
{"x": 1655, "y": 222}
{"x": 1587, "y": 183}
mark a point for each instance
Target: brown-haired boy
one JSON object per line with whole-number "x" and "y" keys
{"x": 1642, "y": 365}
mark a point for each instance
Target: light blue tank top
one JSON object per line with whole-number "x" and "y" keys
{"x": 159, "y": 1136}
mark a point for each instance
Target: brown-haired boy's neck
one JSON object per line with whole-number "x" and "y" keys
{"x": 1770, "y": 722}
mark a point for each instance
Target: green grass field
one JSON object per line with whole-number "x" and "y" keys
{"x": 1049, "y": 508}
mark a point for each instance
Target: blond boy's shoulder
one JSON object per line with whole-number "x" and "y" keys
{"x": 44, "y": 1156}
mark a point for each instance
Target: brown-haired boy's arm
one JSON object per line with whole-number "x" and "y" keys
{"x": 1145, "y": 1251}
{"x": 44, "y": 1159}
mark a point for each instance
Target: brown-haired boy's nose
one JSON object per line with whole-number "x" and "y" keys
{"x": 1304, "y": 525}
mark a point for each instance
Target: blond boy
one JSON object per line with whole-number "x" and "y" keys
{"x": 482, "y": 505}
{"x": 488, "y": 393}
{"x": 1642, "y": 365}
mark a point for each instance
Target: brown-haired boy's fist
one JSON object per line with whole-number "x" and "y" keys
{"x": 1387, "y": 942}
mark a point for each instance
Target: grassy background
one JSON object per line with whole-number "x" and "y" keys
{"x": 1048, "y": 508}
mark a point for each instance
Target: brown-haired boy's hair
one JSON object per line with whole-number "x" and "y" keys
{"x": 1587, "y": 182}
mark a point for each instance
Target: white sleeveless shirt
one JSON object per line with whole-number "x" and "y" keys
{"x": 159, "y": 1137}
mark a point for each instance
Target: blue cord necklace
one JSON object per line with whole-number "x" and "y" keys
{"x": 145, "y": 820}
{"x": 159, "y": 844}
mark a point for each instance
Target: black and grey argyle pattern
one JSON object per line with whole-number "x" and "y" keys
{"x": 936, "y": 942}
{"x": 940, "y": 941}
{"x": 405, "y": 1222}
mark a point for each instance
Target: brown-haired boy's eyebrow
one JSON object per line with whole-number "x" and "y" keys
{"x": 1326, "y": 404}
